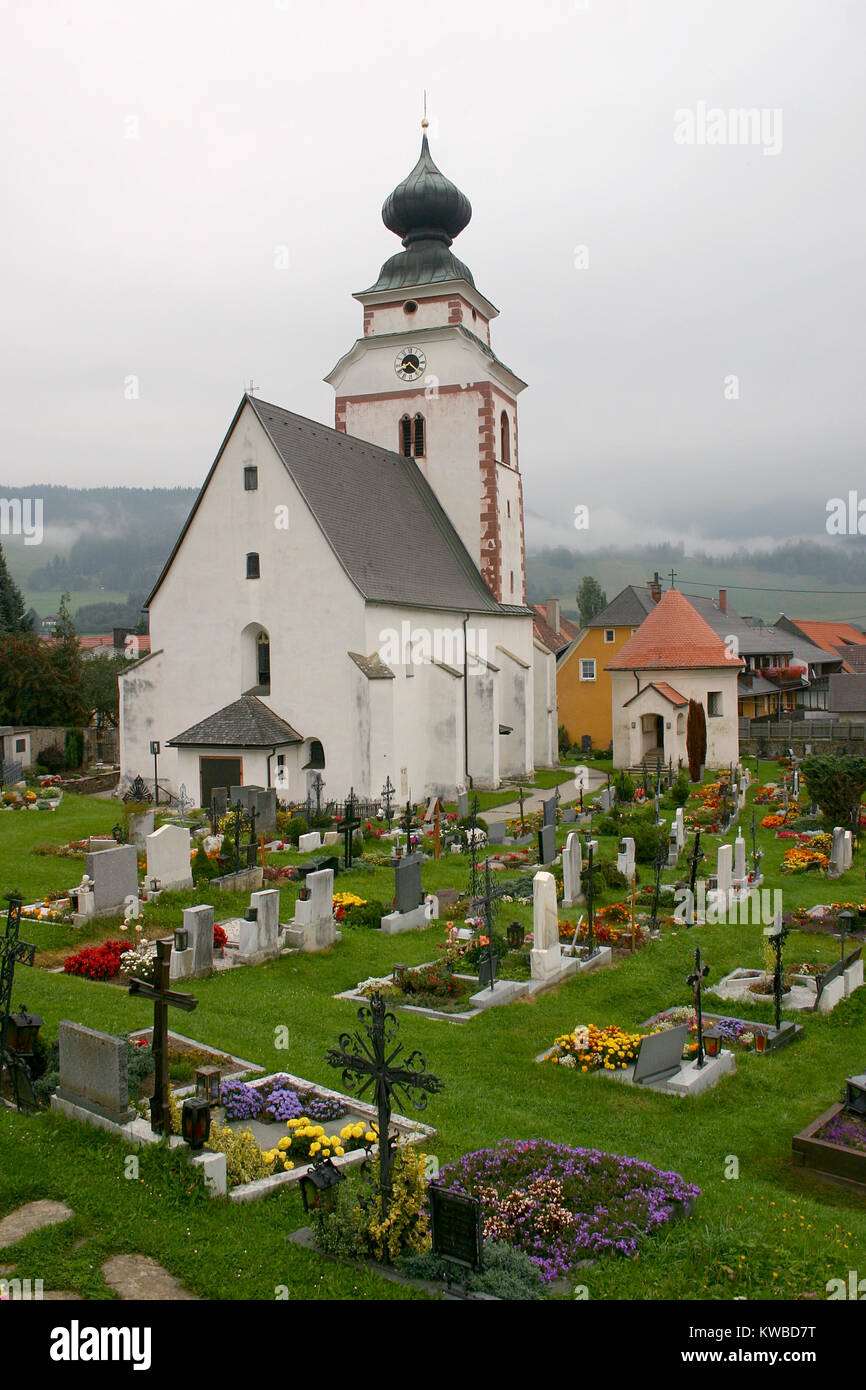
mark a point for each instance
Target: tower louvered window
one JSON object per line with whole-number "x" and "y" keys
{"x": 419, "y": 449}
{"x": 406, "y": 437}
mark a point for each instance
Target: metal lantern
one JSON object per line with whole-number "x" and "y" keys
{"x": 181, "y": 938}
{"x": 761, "y": 1040}
{"x": 250, "y": 914}
{"x": 207, "y": 1084}
{"x": 845, "y": 919}
{"x": 855, "y": 1094}
{"x": 155, "y": 885}
{"x": 21, "y": 1031}
{"x": 712, "y": 1041}
{"x": 516, "y": 934}
{"x": 399, "y": 974}
{"x": 318, "y": 1184}
{"x": 195, "y": 1122}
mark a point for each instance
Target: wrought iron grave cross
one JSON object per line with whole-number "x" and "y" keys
{"x": 696, "y": 979}
{"x": 163, "y": 997}
{"x": 11, "y": 952}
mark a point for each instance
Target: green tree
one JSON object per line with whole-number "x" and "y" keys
{"x": 66, "y": 666}
{"x": 591, "y": 599}
{"x": 12, "y": 613}
{"x": 837, "y": 784}
{"x": 696, "y": 739}
{"x": 99, "y": 690}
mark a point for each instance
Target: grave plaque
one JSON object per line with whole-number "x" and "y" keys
{"x": 488, "y": 968}
{"x": 408, "y": 893}
{"x": 455, "y": 1227}
{"x": 660, "y": 1054}
{"x": 462, "y": 805}
{"x": 547, "y": 844}
{"x": 549, "y": 808}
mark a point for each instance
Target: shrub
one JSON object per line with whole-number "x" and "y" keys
{"x": 696, "y": 739}
{"x": 202, "y": 867}
{"x": 407, "y": 1226}
{"x": 507, "y": 1273}
{"x": 680, "y": 791}
{"x": 295, "y": 826}
{"x": 368, "y": 914}
{"x": 564, "y": 741}
{"x": 624, "y": 787}
{"x": 245, "y": 1161}
{"x": 51, "y": 760}
{"x": 73, "y": 750}
{"x": 647, "y": 838}
{"x": 836, "y": 784}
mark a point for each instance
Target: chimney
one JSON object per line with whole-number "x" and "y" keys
{"x": 723, "y": 600}
{"x": 655, "y": 587}
{"x": 552, "y": 611}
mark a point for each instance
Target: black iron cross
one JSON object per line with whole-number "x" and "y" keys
{"x": 11, "y": 952}
{"x": 409, "y": 823}
{"x": 696, "y": 979}
{"x": 697, "y": 856}
{"x": 521, "y": 796}
{"x": 163, "y": 997}
{"x": 661, "y": 859}
{"x": 367, "y": 1063}
{"x": 589, "y": 892}
{"x": 317, "y": 783}
{"x": 473, "y": 846}
{"x": 251, "y": 848}
{"x": 489, "y": 961}
{"x": 778, "y": 934}
{"x": 388, "y": 793}
{"x": 349, "y": 826}
{"x": 308, "y": 809}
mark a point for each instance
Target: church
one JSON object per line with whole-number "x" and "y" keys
{"x": 372, "y": 620}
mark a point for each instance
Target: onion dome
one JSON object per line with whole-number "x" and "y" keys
{"x": 426, "y": 206}
{"x": 426, "y": 211}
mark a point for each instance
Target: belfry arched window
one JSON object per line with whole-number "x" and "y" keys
{"x": 413, "y": 441}
{"x": 504, "y": 438}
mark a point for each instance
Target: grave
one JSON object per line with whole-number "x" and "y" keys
{"x": 836, "y": 867}
{"x": 548, "y": 808}
{"x": 496, "y": 831}
{"x": 197, "y": 961}
{"x": 572, "y": 868}
{"x": 410, "y": 909}
{"x": 606, "y": 799}
{"x": 168, "y": 857}
{"x": 721, "y": 894}
{"x": 259, "y": 936}
{"x": 93, "y": 1074}
{"x": 462, "y": 805}
{"x": 311, "y": 841}
{"x": 547, "y": 844}
{"x": 140, "y": 826}
{"x": 625, "y": 858}
{"x": 114, "y": 875}
{"x": 313, "y": 927}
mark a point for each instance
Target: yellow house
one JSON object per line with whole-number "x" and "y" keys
{"x": 583, "y": 688}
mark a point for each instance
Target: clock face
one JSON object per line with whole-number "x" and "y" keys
{"x": 409, "y": 363}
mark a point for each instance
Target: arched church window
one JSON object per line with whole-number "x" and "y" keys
{"x": 406, "y": 437}
{"x": 263, "y": 654}
{"x": 419, "y": 442}
{"x": 505, "y": 438}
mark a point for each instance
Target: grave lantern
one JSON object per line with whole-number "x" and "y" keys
{"x": 250, "y": 914}
{"x": 516, "y": 934}
{"x": 207, "y": 1084}
{"x": 318, "y": 1186}
{"x": 181, "y": 938}
{"x": 399, "y": 974}
{"x": 855, "y": 1094}
{"x": 21, "y": 1031}
{"x": 195, "y": 1122}
{"x": 761, "y": 1040}
{"x": 846, "y": 918}
{"x": 155, "y": 885}
{"x": 712, "y": 1041}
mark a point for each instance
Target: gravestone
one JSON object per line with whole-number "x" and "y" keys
{"x": 625, "y": 857}
{"x": 847, "y": 851}
{"x": 836, "y": 867}
{"x": 100, "y": 842}
{"x": 545, "y": 958}
{"x": 140, "y": 826}
{"x": 313, "y": 927}
{"x": 547, "y": 844}
{"x": 549, "y": 811}
{"x": 673, "y": 848}
{"x": 831, "y": 988}
{"x": 168, "y": 857}
{"x": 220, "y": 802}
{"x": 264, "y": 803}
{"x": 724, "y": 866}
{"x": 331, "y": 837}
{"x": 410, "y": 909}
{"x": 462, "y": 805}
{"x": 114, "y": 873}
{"x": 740, "y": 870}
{"x": 197, "y": 960}
{"x": 660, "y": 1055}
{"x": 680, "y": 828}
{"x": 572, "y": 868}
{"x": 93, "y": 1073}
{"x": 496, "y": 831}
{"x": 607, "y": 799}
{"x": 259, "y": 938}
{"x": 311, "y": 841}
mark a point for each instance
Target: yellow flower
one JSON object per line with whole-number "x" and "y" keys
{"x": 370, "y": 1137}
{"x": 285, "y": 1143}
{"x": 314, "y": 1148}
{"x": 339, "y": 1151}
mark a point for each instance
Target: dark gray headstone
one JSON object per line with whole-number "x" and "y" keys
{"x": 496, "y": 830}
{"x": 547, "y": 844}
{"x": 265, "y": 803}
{"x": 408, "y": 893}
{"x": 115, "y": 877}
{"x": 93, "y": 1072}
{"x": 220, "y": 798}
{"x": 549, "y": 809}
{"x": 829, "y": 976}
{"x": 661, "y": 1054}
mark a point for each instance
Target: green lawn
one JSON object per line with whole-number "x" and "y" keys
{"x": 771, "y": 1232}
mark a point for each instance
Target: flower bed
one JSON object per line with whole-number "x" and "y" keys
{"x": 431, "y": 986}
{"x": 560, "y": 1204}
{"x": 735, "y": 1032}
{"x": 801, "y": 859}
{"x": 591, "y": 1048}
{"x": 834, "y": 1146}
{"x": 97, "y": 962}
{"x": 276, "y": 1100}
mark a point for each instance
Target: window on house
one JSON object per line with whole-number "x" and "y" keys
{"x": 253, "y": 565}
{"x": 512, "y": 581}
{"x": 504, "y": 438}
{"x": 251, "y": 477}
{"x": 609, "y": 635}
{"x": 714, "y": 704}
{"x": 419, "y": 449}
{"x": 20, "y": 745}
{"x": 508, "y": 509}
{"x": 587, "y": 669}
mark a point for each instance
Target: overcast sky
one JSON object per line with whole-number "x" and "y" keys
{"x": 156, "y": 154}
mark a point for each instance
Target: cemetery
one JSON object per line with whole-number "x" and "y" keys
{"x": 440, "y": 924}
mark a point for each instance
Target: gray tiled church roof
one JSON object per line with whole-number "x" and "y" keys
{"x": 383, "y": 520}
{"x": 247, "y": 723}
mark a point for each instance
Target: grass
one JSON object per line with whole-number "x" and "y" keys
{"x": 773, "y": 1231}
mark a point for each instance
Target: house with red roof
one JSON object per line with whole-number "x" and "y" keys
{"x": 672, "y": 658}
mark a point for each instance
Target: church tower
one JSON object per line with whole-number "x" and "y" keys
{"x": 424, "y": 380}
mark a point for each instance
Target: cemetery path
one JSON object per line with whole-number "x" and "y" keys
{"x": 140, "y": 1277}
{"x": 31, "y": 1217}
{"x": 535, "y": 800}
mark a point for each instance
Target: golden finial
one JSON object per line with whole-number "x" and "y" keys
{"x": 424, "y": 121}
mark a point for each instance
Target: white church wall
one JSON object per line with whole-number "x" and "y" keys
{"x": 544, "y": 724}
{"x": 304, "y": 600}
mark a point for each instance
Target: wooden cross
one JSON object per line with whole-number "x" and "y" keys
{"x": 348, "y": 827}
{"x": 367, "y": 1064}
{"x": 696, "y": 979}
{"x": 163, "y": 997}
{"x": 11, "y": 952}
